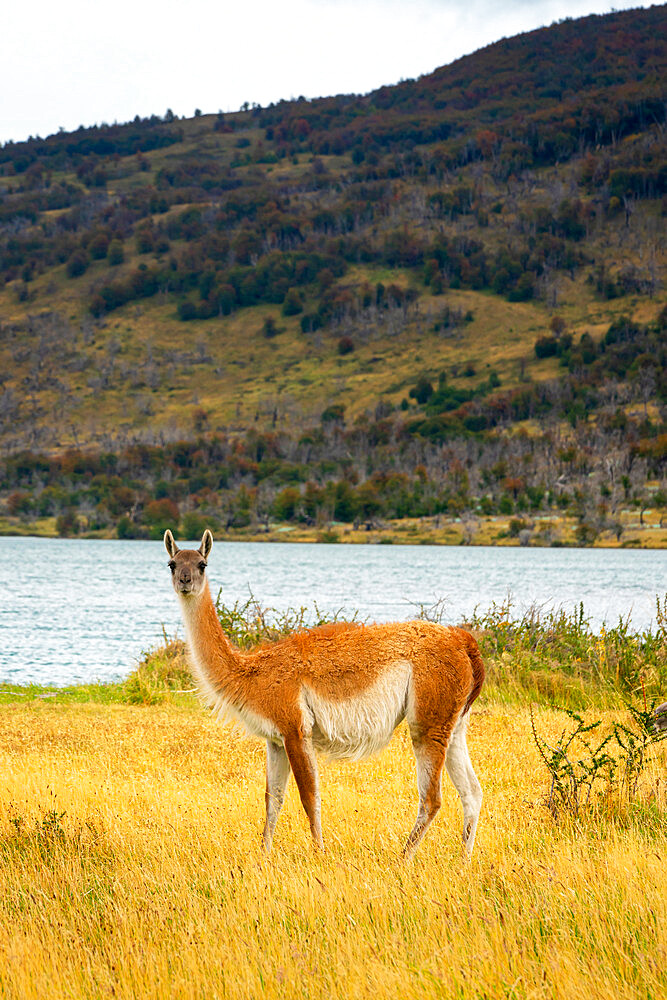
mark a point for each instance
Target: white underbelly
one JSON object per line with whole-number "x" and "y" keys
{"x": 363, "y": 724}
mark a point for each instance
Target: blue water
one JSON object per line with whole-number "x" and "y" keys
{"x": 73, "y": 610}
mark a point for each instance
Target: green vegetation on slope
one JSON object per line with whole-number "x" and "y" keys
{"x": 444, "y": 297}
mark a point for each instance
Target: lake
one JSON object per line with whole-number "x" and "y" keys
{"x": 76, "y": 610}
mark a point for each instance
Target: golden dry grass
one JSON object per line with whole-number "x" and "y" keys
{"x": 130, "y": 867}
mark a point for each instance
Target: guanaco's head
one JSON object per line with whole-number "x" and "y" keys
{"x": 188, "y": 566}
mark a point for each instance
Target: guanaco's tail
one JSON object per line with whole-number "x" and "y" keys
{"x": 478, "y": 671}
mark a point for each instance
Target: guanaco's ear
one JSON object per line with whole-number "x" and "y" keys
{"x": 169, "y": 543}
{"x": 206, "y": 543}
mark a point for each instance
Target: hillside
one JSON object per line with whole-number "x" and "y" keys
{"x": 444, "y": 297}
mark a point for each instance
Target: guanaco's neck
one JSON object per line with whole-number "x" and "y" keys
{"x": 212, "y": 652}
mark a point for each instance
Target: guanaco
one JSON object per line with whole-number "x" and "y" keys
{"x": 341, "y": 690}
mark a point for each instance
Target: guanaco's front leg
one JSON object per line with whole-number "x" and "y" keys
{"x": 277, "y": 776}
{"x": 301, "y": 756}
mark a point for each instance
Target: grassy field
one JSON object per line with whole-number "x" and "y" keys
{"x": 130, "y": 861}
{"x": 131, "y": 866}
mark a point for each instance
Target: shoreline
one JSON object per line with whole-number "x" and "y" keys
{"x": 539, "y": 531}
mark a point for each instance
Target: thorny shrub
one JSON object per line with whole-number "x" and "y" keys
{"x": 589, "y": 767}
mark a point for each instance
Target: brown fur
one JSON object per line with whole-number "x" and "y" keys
{"x": 478, "y": 671}
{"x": 339, "y": 661}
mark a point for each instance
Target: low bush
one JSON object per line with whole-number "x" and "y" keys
{"x": 248, "y": 623}
{"x": 558, "y": 656}
{"x": 596, "y": 772}
{"x": 161, "y": 671}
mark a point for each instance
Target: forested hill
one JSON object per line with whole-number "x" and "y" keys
{"x": 446, "y": 296}
{"x": 544, "y": 94}
{"x": 533, "y": 99}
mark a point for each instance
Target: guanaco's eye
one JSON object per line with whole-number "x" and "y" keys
{"x": 172, "y": 565}
{"x": 202, "y": 567}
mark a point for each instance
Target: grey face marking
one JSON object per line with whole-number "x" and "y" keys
{"x": 188, "y": 566}
{"x": 188, "y": 572}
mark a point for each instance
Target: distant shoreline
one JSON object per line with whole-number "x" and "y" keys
{"x": 539, "y": 531}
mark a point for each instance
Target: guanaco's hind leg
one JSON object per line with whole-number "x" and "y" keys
{"x": 277, "y": 776}
{"x": 430, "y": 756}
{"x": 302, "y": 761}
{"x": 460, "y": 770}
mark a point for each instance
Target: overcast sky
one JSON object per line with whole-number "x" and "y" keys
{"x": 69, "y": 62}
